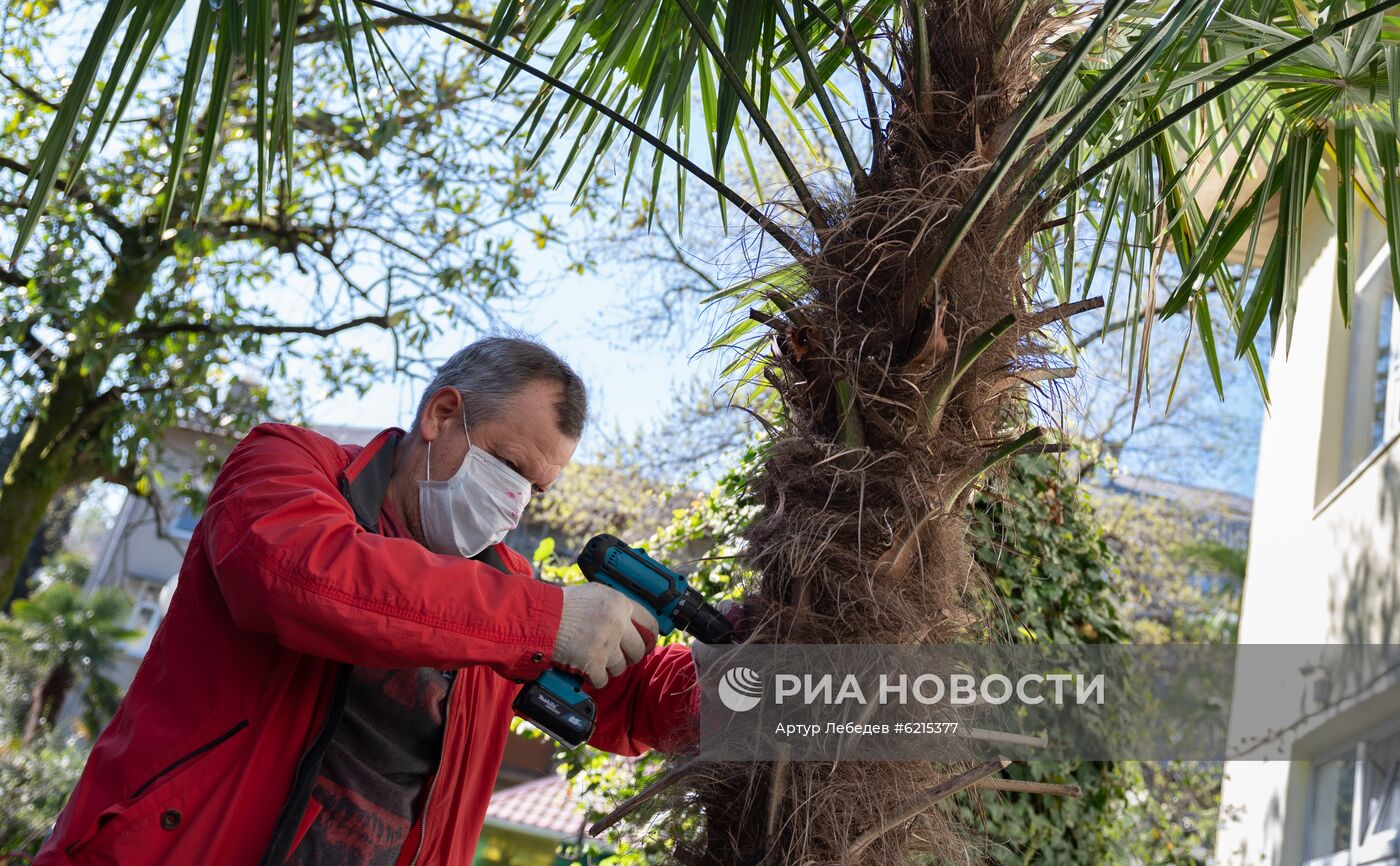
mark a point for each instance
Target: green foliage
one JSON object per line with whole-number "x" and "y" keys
{"x": 1135, "y": 106}
{"x": 396, "y": 215}
{"x": 34, "y": 785}
{"x": 59, "y": 627}
{"x": 1040, "y": 542}
{"x": 1177, "y": 584}
{"x": 591, "y": 498}
{"x": 35, "y": 779}
{"x": 67, "y": 567}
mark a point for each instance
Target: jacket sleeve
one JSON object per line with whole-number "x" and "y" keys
{"x": 290, "y": 559}
{"x": 654, "y": 704}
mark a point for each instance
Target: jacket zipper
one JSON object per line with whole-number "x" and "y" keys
{"x": 432, "y": 786}
{"x": 307, "y": 764}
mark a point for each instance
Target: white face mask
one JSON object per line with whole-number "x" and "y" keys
{"x": 475, "y": 508}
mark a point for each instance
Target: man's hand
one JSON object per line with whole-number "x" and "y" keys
{"x": 601, "y": 632}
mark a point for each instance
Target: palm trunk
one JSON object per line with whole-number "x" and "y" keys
{"x": 862, "y": 535}
{"x": 47, "y": 699}
{"x": 62, "y": 443}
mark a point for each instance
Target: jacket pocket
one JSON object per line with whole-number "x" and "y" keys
{"x": 119, "y": 815}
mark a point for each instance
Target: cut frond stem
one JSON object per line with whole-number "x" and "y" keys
{"x": 925, "y": 801}
{"x": 923, "y": 66}
{"x": 852, "y": 431}
{"x": 1009, "y": 25}
{"x": 1020, "y": 786}
{"x": 967, "y": 356}
{"x": 996, "y": 456}
{"x": 1060, "y": 312}
{"x": 1046, "y": 374}
{"x": 777, "y": 790}
{"x": 631, "y": 804}
{"x": 765, "y": 318}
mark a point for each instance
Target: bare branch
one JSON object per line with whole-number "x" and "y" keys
{"x": 30, "y": 92}
{"x": 157, "y": 331}
{"x": 628, "y": 806}
{"x": 283, "y": 237}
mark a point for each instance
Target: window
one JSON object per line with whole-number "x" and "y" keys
{"x": 1329, "y": 826}
{"x": 1354, "y": 806}
{"x": 183, "y": 525}
{"x": 145, "y": 614}
{"x": 1373, "y": 363}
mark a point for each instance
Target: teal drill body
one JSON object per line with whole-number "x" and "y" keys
{"x": 556, "y": 702}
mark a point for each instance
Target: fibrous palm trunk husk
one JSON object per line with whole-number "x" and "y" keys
{"x": 862, "y": 536}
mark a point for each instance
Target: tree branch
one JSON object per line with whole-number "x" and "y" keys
{"x": 157, "y": 331}
{"x": 284, "y": 238}
{"x": 79, "y": 193}
{"x": 30, "y": 92}
{"x": 14, "y": 278}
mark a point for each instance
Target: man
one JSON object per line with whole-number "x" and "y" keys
{"x": 332, "y": 683}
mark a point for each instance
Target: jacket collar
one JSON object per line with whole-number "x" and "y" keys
{"x": 365, "y": 482}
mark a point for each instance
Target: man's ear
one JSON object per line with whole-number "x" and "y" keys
{"x": 442, "y": 412}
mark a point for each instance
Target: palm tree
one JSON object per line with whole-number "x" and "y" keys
{"x": 906, "y": 297}
{"x": 74, "y": 638}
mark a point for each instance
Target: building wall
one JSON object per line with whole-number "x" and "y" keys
{"x": 145, "y": 549}
{"x": 1322, "y": 564}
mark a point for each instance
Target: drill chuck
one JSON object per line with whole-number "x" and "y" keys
{"x": 699, "y": 619}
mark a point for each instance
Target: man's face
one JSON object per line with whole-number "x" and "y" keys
{"x": 525, "y": 437}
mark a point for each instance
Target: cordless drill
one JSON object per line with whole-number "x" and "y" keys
{"x": 556, "y": 702}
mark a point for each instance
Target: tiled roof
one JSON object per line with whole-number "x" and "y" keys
{"x": 545, "y": 804}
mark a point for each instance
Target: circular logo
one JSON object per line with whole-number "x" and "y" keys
{"x": 740, "y": 689}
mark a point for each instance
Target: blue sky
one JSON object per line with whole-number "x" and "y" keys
{"x": 584, "y": 318}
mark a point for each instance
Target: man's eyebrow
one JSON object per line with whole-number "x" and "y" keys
{"x": 515, "y": 467}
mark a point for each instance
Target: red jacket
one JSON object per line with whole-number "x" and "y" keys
{"x": 281, "y": 591}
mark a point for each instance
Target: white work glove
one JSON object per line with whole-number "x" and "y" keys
{"x": 601, "y": 632}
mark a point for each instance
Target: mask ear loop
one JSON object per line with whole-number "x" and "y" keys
{"x": 428, "y": 470}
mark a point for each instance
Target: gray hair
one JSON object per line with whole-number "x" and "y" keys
{"x": 493, "y": 369}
